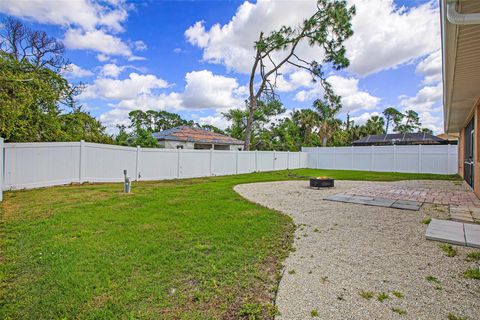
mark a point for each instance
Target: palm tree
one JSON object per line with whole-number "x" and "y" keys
{"x": 307, "y": 121}
{"x": 374, "y": 125}
{"x": 392, "y": 115}
{"x": 327, "y": 121}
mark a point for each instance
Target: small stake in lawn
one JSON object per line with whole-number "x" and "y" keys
{"x": 127, "y": 185}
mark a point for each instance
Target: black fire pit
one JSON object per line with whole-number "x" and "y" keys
{"x": 321, "y": 182}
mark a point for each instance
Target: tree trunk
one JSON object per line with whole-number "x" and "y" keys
{"x": 252, "y": 106}
{"x": 324, "y": 141}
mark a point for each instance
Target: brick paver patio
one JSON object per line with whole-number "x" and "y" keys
{"x": 462, "y": 202}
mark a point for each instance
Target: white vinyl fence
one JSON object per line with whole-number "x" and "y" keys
{"x": 32, "y": 165}
{"x": 441, "y": 159}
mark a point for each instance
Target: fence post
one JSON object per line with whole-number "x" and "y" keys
{"x": 372, "y": 159}
{"x": 2, "y": 167}
{"x": 394, "y": 158}
{"x": 236, "y": 162}
{"x": 351, "y": 149}
{"x": 288, "y": 159}
{"x": 274, "y": 158}
{"x": 137, "y": 165}
{"x": 256, "y": 161}
{"x": 334, "y": 158}
{"x": 419, "y": 158}
{"x": 318, "y": 157}
{"x": 448, "y": 158}
{"x": 211, "y": 161}
{"x": 81, "y": 169}
{"x": 178, "y": 163}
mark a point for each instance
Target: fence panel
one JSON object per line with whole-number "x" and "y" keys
{"x": 246, "y": 162}
{"x": 31, "y": 165}
{"x": 281, "y": 160}
{"x": 224, "y": 162}
{"x": 157, "y": 164}
{"x": 105, "y": 163}
{"x": 265, "y": 161}
{"x": 194, "y": 163}
{"x": 440, "y": 159}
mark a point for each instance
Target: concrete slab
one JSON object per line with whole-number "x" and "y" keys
{"x": 472, "y": 235}
{"x": 410, "y": 205}
{"x": 338, "y": 197}
{"x": 446, "y": 231}
{"x": 381, "y": 202}
{"x": 409, "y": 202}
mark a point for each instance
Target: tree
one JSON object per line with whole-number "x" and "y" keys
{"x": 327, "y": 29}
{"x": 427, "y": 130}
{"x": 411, "y": 124}
{"x": 374, "y": 125}
{"x": 79, "y": 125}
{"x": 263, "y": 115}
{"x": 155, "y": 121}
{"x": 35, "y": 47}
{"x": 36, "y": 102}
{"x": 392, "y": 115}
{"x": 327, "y": 112}
{"x": 307, "y": 121}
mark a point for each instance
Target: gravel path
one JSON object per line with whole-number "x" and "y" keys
{"x": 343, "y": 249}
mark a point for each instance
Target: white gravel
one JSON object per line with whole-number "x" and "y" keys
{"x": 343, "y": 249}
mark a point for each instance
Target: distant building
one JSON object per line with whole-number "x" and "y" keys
{"x": 185, "y": 137}
{"x": 399, "y": 139}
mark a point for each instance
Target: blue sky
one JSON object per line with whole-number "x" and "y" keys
{"x": 193, "y": 57}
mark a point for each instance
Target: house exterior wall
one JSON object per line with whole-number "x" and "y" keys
{"x": 475, "y": 115}
{"x": 476, "y": 150}
{"x": 171, "y": 144}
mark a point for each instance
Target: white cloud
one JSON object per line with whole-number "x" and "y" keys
{"x": 136, "y": 84}
{"x": 363, "y": 118}
{"x": 384, "y": 35}
{"x": 96, "y": 40}
{"x": 294, "y": 80}
{"x": 431, "y": 68}
{"x": 427, "y": 103}
{"x": 353, "y": 98}
{"x": 111, "y": 70}
{"x": 148, "y": 101}
{"x": 102, "y": 57}
{"x": 82, "y": 13}
{"x": 72, "y": 71}
{"x": 89, "y": 25}
{"x": 206, "y": 90}
{"x": 425, "y": 100}
{"x": 203, "y": 90}
{"x": 216, "y": 120}
{"x": 140, "y": 45}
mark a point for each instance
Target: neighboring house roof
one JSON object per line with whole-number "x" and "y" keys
{"x": 189, "y": 134}
{"x": 400, "y": 138}
{"x": 461, "y": 65}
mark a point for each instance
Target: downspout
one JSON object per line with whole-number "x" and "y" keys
{"x": 461, "y": 18}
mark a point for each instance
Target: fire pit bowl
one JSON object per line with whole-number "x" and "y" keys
{"x": 321, "y": 182}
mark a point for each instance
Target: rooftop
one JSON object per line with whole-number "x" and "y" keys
{"x": 400, "y": 138}
{"x": 190, "y": 134}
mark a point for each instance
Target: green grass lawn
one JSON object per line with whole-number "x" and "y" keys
{"x": 180, "y": 249}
